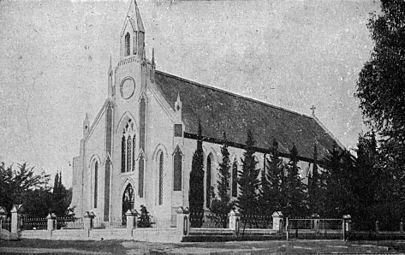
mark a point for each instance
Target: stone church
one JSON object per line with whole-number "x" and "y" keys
{"x": 138, "y": 149}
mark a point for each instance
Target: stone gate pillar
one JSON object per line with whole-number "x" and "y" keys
{"x": 234, "y": 219}
{"x": 183, "y": 221}
{"x": 277, "y": 221}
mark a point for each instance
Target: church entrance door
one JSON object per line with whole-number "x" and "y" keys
{"x": 127, "y": 202}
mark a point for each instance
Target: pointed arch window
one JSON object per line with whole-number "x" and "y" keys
{"x": 129, "y": 153}
{"x": 177, "y": 159}
{"x": 127, "y": 44}
{"x": 235, "y": 178}
{"x": 128, "y": 148}
{"x": 160, "y": 184}
{"x": 142, "y": 120}
{"x": 127, "y": 202}
{"x": 135, "y": 43}
{"x": 107, "y": 190}
{"x": 123, "y": 148}
{"x": 208, "y": 182}
{"x": 141, "y": 175}
{"x": 95, "y": 184}
{"x": 133, "y": 153}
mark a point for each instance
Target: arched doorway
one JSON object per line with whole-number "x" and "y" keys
{"x": 127, "y": 202}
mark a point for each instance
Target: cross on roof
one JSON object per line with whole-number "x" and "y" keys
{"x": 313, "y": 110}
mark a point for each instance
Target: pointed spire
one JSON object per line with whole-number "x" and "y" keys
{"x": 153, "y": 57}
{"x": 86, "y": 125}
{"x": 110, "y": 79}
{"x": 134, "y": 17}
{"x": 110, "y": 67}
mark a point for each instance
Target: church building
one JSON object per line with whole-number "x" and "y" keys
{"x": 138, "y": 149}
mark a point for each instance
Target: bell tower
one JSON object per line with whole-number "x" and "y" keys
{"x": 133, "y": 34}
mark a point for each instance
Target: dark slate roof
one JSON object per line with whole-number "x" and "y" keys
{"x": 221, "y": 111}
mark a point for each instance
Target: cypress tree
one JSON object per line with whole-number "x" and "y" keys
{"x": 271, "y": 182}
{"x": 222, "y": 205}
{"x": 196, "y": 184}
{"x": 248, "y": 181}
{"x": 315, "y": 186}
{"x": 296, "y": 198}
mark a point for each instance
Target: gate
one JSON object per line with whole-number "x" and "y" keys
{"x": 314, "y": 228}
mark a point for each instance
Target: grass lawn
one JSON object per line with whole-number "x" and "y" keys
{"x": 107, "y": 246}
{"x": 258, "y": 247}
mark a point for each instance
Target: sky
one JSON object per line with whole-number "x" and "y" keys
{"x": 289, "y": 53}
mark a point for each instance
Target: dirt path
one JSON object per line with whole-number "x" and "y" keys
{"x": 26, "y": 250}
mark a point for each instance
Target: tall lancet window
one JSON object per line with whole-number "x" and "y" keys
{"x": 140, "y": 175}
{"x": 135, "y": 43}
{"x": 142, "y": 117}
{"x": 160, "y": 178}
{"x": 123, "y": 149}
{"x": 177, "y": 159}
{"x": 128, "y": 148}
{"x": 208, "y": 182}
{"x": 95, "y": 183}
{"x": 129, "y": 153}
{"x": 133, "y": 153}
{"x": 127, "y": 44}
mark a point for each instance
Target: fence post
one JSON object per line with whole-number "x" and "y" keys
{"x": 234, "y": 219}
{"x": 14, "y": 219}
{"x": 346, "y": 225}
{"x": 401, "y": 226}
{"x": 277, "y": 221}
{"x": 131, "y": 221}
{"x": 377, "y": 229}
{"x": 50, "y": 220}
{"x": 315, "y": 218}
{"x": 88, "y": 220}
{"x": 183, "y": 221}
{"x": 3, "y": 216}
{"x": 286, "y": 228}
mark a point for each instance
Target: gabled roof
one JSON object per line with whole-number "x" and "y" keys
{"x": 221, "y": 111}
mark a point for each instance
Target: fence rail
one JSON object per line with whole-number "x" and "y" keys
{"x": 209, "y": 220}
{"x": 31, "y": 223}
{"x": 315, "y": 228}
{"x": 6, "y": 224}
{"x": 69, "y": 223}
{"x": 256, "y": 221}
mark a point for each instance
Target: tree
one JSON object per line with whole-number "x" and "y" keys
{"x": 381, "y": 85}
{"x": 144, "y": 219}
{"x": 296, "y": 198}
{"x": 248, "y": 181}
{"x": 339, "y": 168}
{"x": 222, "y": 205}
{"x": 61, "y": 197}
{"x": 316, "y": 187}
{"x": 272, "y": 182}
{"x": 196, "y": 190}
{"x": 16, "y": 183}
{"x": 364, "y": 183}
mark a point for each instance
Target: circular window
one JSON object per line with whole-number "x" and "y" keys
{"x": 127, "y": 87}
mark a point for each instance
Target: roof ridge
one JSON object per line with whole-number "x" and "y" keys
{"x": 233, "y": 94}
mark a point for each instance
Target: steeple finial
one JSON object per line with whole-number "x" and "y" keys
{"x": 110, "y": 67}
